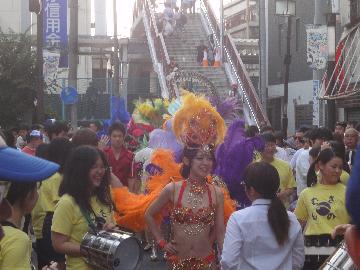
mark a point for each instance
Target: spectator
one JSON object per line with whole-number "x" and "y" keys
{"x": 200, "y": 52}
{"x": 287, "y": 181}
{"x": 58, "y": 129}
{"x": 120, "y": 159}
{"x": 265, "y": 234}
{"x": 34, "y": 140}
{"x": 317, "y": 137}
{"x": 298, "y": 138}
{"x": 340, "y": 128}
{"x": 351, "y": 140}
{"x": 21, "y": 139}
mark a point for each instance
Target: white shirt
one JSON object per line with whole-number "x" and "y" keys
{"x": 302, "y": 168}
{"x": 281, "y": 154}
{"x": 294, "y": 158}
{"x": 251, "y": 244}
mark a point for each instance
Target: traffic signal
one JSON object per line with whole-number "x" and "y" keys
{"x": 35, "y": 6}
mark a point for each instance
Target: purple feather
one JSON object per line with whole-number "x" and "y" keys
{"x": 233, "y": 156}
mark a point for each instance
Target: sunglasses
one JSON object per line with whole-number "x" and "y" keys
{"x": 300, "y": 139}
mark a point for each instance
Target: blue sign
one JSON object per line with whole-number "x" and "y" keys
{"x": 55, "y": 28}
{"x": 69, "y": 95}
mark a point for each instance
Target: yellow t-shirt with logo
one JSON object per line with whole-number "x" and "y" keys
{"x": 68, "y": 220}
{"x": 15, "y": 250}
{"x": 48, "y": 198}
{"x": 322, "y": 207}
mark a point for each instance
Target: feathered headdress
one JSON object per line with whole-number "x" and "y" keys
{"x": 197, "y": 123}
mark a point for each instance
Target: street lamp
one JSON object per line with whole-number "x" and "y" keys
{"x": 287, "y": 9}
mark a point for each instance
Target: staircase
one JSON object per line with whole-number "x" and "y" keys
{"x": 182, "y": 46}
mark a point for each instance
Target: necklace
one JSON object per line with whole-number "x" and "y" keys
{"x": 196, "y": 191}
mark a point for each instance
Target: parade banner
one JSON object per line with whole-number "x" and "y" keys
{"x": 55, "y": 29}
{"x": 317, "y": 46}
{"x": 316, "y": 105}
{"x": 50, "y": 67}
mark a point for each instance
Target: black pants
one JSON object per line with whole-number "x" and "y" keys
{"x": 44, "y": 248}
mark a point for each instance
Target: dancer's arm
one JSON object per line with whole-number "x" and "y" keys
{"x": 219, "y": 219}
{"x": 163, "y": 199}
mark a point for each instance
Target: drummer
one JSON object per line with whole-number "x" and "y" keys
{"x": 321, "y": 206}
{"x": 85, "y": 204}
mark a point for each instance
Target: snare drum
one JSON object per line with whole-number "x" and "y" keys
{"x": 115, "y": 250}
{"x": 340, "y": 259}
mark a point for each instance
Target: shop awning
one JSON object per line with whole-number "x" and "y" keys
{"x": 345, "y": 79}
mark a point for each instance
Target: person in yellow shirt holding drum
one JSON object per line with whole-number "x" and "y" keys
{"x": 85, "y": 204}
{"x": 321, "y": 207}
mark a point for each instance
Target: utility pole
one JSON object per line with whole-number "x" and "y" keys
{"x": 331, "y": 23}
{"x": 263, "y": 52}
{"x": 116, "y": 54}
{"x": 73, "y": 56}
{"x": 287, "y": 62}
{"x": 39, "y": 65}
{"x": 321, "y": 7}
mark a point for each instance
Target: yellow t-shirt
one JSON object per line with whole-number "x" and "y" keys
{"x": 48, "y": 198}
{"x": 49, "y": 191}
{"x": 37, "y": 218}
{"x": 323, "y": 207}
{"x": 15, "y": 250}
{"x": 344, "y": 177}
{"x": 287, "y": 179}
{"x": 68, "y": 220}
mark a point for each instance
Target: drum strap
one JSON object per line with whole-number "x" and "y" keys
{"x": 89, "y": 221}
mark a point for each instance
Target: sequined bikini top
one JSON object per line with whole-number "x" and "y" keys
{"x": 186, "y": 215}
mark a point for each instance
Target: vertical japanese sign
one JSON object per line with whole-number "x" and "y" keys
{"x": 55, "y": 29}
{"x": 316, "y": 107}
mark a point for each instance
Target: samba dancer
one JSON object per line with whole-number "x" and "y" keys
{"x": 321, "y": 206}
{"x": 197, "y": 215}
{"x": 85, "y": 204}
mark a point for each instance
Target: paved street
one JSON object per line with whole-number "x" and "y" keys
{"x": 147, "y": 264}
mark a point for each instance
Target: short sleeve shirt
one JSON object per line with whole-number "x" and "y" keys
{"x": 123, "y": 166}
{"x": 323, "y": 207}
{"x": 69, "y": 220}
{"x": 15, "y": 250}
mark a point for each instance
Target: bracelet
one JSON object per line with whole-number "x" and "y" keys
{"x": 161, "y": 243}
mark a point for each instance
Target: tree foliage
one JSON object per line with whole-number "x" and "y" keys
{"x": 17, "y": 77}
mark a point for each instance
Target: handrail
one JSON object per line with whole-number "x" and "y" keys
{"x": 237, "y": 66}
{"x": 161, "y": 54}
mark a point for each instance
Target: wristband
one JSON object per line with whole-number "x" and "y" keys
{"x": 161, "y": 243}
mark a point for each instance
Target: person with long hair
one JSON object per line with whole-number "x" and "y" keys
{"x": 321, "y": 206}
{"x": 58, "y": 151}
{"x": 197, "y": 206}
{"x": 264, "y": 235}
{"x": 85, "y": 204}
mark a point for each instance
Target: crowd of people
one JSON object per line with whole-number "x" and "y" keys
{"x": 232, "y": 197}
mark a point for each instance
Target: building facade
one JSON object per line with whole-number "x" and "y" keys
{"x": 242, "y": 22}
